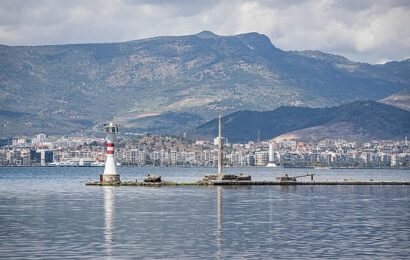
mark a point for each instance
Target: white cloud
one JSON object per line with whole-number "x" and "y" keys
{"x": 368, "y": 30}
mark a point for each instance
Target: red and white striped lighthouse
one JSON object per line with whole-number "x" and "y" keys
{"x": 110, "y": 171}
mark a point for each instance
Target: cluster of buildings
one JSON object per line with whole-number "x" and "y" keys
{"x": 151, "y": 150}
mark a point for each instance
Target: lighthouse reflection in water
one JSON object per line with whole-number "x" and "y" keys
{"x": 109, "y": 196}
{"x": 109, "y": 216}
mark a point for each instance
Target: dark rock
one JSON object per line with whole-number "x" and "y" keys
{"x": 229, "y": 177}
{"x": 152, "y": 178}
{"x": 242, "y": 177}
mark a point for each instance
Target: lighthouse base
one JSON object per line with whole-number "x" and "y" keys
{"x": 110, "y": 178}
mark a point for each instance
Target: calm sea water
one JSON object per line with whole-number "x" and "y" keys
{"x": 48, "y": 213}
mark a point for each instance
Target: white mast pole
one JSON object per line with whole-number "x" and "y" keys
{"x": 219, "y": 148}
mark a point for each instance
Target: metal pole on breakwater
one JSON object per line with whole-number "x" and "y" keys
{"x": 220, "y": 154}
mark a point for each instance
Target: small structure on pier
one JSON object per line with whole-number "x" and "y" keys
{"x": 110, "y": 175}
{"x": 288, "y": 178}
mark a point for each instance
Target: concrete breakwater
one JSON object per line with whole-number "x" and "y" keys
{"x": 245, "y": 183}
{"x": 224, "y": 183}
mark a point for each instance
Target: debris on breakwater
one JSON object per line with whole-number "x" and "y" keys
{"x": 210, "y": 178}
{"x": 288, "y": 178}
{"x": 152, "y": 178}
{"x": 242, "y": 177}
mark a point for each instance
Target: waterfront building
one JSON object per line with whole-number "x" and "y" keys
{"x": 46, "y": 156}
{"x": 224, "y": 141}
{"x": 261, "y": 158}
{"x": 40, "y": 138}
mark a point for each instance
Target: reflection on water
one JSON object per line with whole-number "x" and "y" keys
{"x": 219, "y": 223}
{"x": 108, "y": 218}
{"x": 51, "y": 214}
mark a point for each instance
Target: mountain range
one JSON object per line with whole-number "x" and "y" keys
{"x": 359, "y": 120}
{"x": 172, "y": 84}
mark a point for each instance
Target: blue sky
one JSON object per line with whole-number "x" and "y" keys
{"x": 371, "y": 31}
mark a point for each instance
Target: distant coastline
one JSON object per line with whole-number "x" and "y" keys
{"x": 212, "y": 167}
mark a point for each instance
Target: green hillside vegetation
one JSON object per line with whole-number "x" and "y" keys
{"x": 66, "y": 88}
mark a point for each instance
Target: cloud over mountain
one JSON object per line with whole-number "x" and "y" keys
{"x": 370, "y": 31}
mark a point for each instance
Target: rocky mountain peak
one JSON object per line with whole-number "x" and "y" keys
{"x": 206, "y": 34}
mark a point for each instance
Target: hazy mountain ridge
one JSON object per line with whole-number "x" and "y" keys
{"x": 400, "y": 99}
{"x": 70, "y": 87}
{"x": 357, "y": 120}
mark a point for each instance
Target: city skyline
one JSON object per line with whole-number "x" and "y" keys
{"x": 152, "y": 150}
